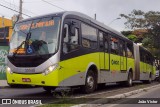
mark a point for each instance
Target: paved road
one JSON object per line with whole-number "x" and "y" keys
{"x": 37, "y": 92}
{"x": 144, "y": 97}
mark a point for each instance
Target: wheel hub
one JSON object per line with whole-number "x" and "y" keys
{"x": 90, "y": 82}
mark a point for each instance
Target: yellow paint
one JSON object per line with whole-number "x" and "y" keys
{"x": 7, "y": 23}
{"x": 68, "y": 68}
{"x": 71, "y": 67}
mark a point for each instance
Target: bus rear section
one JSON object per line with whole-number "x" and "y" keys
{"x": 144, "y": 64}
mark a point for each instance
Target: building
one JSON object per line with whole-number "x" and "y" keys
{"x": 5, "y": 28}
{"x": 5, "y": 35}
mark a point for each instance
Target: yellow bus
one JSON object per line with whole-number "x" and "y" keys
{"x": 72, "y": 49}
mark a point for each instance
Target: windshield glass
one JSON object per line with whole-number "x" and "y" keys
{"x": 38, "y": 36}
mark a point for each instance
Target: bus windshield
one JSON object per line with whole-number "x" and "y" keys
{"x": 39, "y": 36}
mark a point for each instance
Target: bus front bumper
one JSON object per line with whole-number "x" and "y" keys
{"x": 50, "y": 79}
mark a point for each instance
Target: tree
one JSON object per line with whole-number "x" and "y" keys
{"x": 132, "y": 37}
{"x": 149, "y": 21}
{"x": 126, "y": 33}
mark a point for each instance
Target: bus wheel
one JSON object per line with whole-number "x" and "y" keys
{"x": 129, "y": 81}
{"x": 90, "y": 83}
{"x": 49, "y": 89}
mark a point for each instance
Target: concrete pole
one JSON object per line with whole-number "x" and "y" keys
{"x": 3, "y": 21}
{"x": 20, "y": 9}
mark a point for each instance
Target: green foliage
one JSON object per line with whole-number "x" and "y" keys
{"x": 132, "y": 37}
{"x": 149, "y": 21}
{"x": 147, "y": 42}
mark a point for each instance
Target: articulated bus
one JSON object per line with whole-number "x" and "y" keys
{"x": 71, "y": 49}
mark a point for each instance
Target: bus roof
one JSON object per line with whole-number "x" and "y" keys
{"x": 65, "y": 13}
{"x": 93, "y": 21}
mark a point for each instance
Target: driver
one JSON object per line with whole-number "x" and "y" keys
{"x": 44, "y": 46}
{"x": 43, "y": 36}
{"x": 41, "y": 45}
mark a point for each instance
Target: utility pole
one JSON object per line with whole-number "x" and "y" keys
{"x": 95, "y": 16}
{"x": 20, "y": 9}
{"x": 3, "y": 21}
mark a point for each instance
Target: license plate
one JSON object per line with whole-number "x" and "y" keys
{"x": 26, "y": 79}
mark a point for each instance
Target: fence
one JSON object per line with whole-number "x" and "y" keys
{"x": 3, "y": 58}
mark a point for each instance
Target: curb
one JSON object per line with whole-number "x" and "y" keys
{"x": 3, "y": 84}
{"x": 124, "y": 95}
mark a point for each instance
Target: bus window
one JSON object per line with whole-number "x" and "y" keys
{"x": 122, "y": 48}
{"x": 106, "y": 42}
{"x": 74, "y": 39}
{"x": 89, "y": 36}
{"x": 70, "y": 43}
{"x": 114, "y": 46}
{"x": 101, "y": 41}
{"x": 4, "y": 32}
{"x": 130, "y": 51}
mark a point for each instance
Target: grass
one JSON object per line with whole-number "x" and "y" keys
{"x": 57, "y": 105}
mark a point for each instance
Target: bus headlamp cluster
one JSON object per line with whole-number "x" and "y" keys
{"x": 9, "y": 70}
{"x": 50, "y": 69}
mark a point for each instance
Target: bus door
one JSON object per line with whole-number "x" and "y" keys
{"x": 114, "y": 55}
{"x": 70, "y": 47}
{"x": 104, "y": 55}
{"x": 123, "y": 58}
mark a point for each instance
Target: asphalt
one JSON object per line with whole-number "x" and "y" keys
{"x": 103, "y": 102}
{"x": 3, "y": 83}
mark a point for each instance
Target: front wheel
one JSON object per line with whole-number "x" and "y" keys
{"x": 90, "y": 83}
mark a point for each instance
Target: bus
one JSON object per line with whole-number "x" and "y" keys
{"x": 71, "y": 49}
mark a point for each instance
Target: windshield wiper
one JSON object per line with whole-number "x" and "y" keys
{"x": 24, "y": 42}
{"x": 14, "y": 53}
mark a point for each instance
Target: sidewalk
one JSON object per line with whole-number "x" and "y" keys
{"x": 3, "y": 83}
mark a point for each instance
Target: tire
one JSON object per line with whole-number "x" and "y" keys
{"x": 129, "y": 81}
{"x": 90, "y": 83}
{"x": 49, "y": 89}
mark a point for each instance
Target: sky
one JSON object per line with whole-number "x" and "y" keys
{"x": 107, "y": 11}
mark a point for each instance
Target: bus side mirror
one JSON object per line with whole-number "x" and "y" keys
{"x": 65, "y": 32}
{"x": 73, "y": 26}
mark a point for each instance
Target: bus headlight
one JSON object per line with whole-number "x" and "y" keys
{"x": 9, "y": 70}
{"x": 50, "y": 69}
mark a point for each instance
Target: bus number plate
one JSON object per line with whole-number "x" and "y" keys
{"x": 26, "y": 79}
